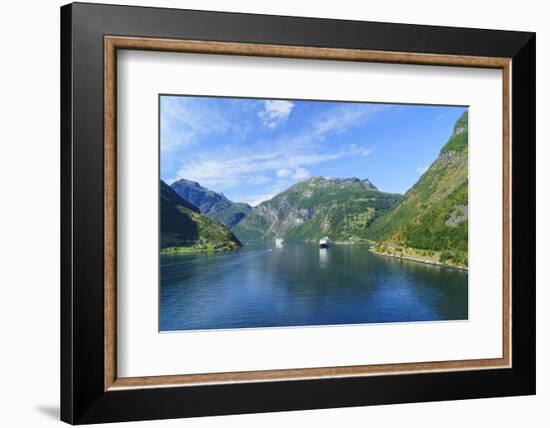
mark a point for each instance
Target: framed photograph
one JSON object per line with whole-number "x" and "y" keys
{"x": 265, "y": 213}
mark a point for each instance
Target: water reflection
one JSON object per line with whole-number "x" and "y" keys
{"x": 300, "y": 284}
{"x": 323, "y": 258}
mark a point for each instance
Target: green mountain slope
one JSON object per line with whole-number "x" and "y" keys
{"x": 184, "y": 229}
{"x": 339, "y": 208}
{"x": 212, "y": 204}
{"x": 433, "y": 214}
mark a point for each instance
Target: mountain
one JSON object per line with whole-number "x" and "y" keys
{"x": 184, "y": 229}
{"x": 306, "y": 211}
{"x": 212, "y": 204}
{"x": 433, "y": 214}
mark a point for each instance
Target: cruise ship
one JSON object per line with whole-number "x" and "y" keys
{"x": 324, "y": 242}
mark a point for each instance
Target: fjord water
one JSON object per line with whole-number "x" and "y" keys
{"x": 261, "y": 285}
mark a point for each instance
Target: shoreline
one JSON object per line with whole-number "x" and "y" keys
{"x": 190, "y": 250}
{"x": 419, "y": 260}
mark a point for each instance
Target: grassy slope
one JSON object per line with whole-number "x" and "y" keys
{"x": 253, "y": 228}
{"x": 184, "y": 229}
{"x": 419, "y": 221}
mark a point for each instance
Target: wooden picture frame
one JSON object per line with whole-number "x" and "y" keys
{"x": 91, "y": 390}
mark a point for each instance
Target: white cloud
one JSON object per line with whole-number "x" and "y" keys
{"x": 230, "y": 171}
{"x": 269, "y": 193}
{"x": 260, "y": 179}
{"x": 422, "y": 169}
{"x": 341, "y": 118}
{"x": 300, "y": 174}
{"x": 360, "y": 151}
{"x": 286, "y": 158}
{"x": 275, "y": 112}
{"x": 184, "y": 121}
{"x": 255, "y": 200}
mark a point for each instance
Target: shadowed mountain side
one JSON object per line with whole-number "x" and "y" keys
{"x": 212, "y": 204}
{"x": 184, "y": 229}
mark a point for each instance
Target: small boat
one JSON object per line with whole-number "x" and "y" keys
{"x": 324, "y": 242}
{"x": 279, "y": 242}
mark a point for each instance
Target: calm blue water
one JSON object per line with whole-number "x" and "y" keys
{"x": 300, "y": 284}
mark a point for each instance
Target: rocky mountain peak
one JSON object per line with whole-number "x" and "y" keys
{"x": 340, "y": 182}
{"x": 368, "y": 184}
{"x": 461, "y": 124}
{"x": 183, "y": 181}
{"x": 338, "y": 207}
{"x": 458, "y": 142}
{"x": 212, "y": 204}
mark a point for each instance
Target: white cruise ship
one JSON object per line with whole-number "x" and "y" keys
{"x": 324, "y": 242}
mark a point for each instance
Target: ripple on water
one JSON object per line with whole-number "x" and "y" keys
{"x": 298, "y": 285}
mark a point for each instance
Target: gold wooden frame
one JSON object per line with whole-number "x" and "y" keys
{"x": 113, "y": 43}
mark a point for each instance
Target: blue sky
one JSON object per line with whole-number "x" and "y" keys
{"x": 252, "y": 149}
